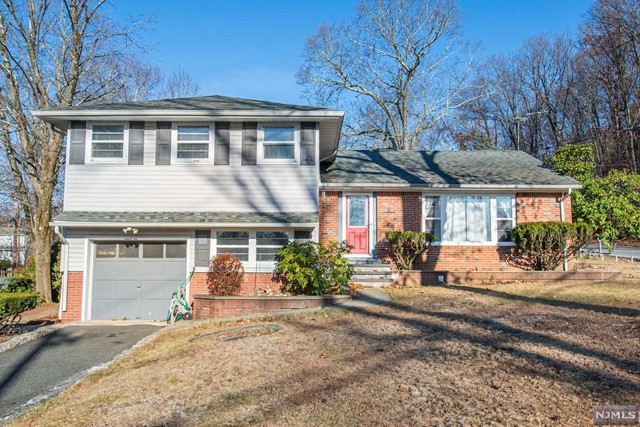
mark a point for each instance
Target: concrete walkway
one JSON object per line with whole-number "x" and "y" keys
{"x": 35, "y": 371}
{"x": 368, "y": 297}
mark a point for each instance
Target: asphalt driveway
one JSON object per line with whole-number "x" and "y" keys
{"x": 51, "y": 363}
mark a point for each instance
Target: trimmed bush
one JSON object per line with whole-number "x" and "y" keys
{"x": 406, "y": 246}
{"x": 311, "y": 268}
{"x": 15, "y": 284}
{"x": 17, "y": 302}
{"x": 225, "y": 275}
{"x": 541, "y": 245}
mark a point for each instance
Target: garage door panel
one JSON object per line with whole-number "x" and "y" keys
{"x": 103, "y": 309}
{"x": 106, "y": 269}
{"x": 154, "y": 309}
{"x": 152, "y": 270}
{"x": 128, "y": 289}
{"x": 128, "y": 270}
{"x": 153, "y": 290}
{"x": 105, "y": 289}
{"x": 175, "y": 270}
{"x": 128, "y": 308}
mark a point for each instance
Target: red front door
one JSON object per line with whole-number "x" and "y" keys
{"x": 358, "y": 224}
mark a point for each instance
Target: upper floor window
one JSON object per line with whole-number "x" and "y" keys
{"x": 469, "y": 218}
{"x": 278, "y": 144}
{"x": 193, "y": 142}
{"x": 107, "y": 141}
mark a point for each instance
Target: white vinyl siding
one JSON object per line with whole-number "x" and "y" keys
{"x": 469, "y": 219}
{"x": 192, "y": 186}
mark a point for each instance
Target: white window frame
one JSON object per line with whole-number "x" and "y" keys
{"x": 89, "y": 144}
{"x": 262, "y": 143}
{"x": 175, "y": 142}
{"x": 493, "y": 232}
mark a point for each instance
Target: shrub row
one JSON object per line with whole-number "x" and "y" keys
{"x": 18, "y": 302}
{"x": 15, "y": 284}
{"x": 545, "y": 245}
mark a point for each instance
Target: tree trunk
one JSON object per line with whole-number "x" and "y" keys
{"x": 42, "y": 258}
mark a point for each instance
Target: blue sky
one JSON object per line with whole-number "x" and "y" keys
{"x": 253, "y": 48}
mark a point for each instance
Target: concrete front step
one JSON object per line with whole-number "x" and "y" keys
{"x": 356, "y": 277}
{"x": 373, "y": 267}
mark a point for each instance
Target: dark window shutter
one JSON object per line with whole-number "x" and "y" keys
{"x": 163, "y": 143}
{"x": 136, "y": 143}
{"x": 307, "y": 143}
{"x": 203, "y": 246}
{"x": 222, "y": 143}
{"x": 249, "y": 143}
{"x": 77, "y": 141}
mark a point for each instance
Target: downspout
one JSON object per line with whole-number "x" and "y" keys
{"x": 64, "y": 261}
{"x": 565, "y": 196}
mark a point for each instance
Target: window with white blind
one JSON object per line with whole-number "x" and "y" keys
{"x": 469, "y": 219}
{"x": 107, "y": 142}
{"x": 277, "y": 144}
{"x": 192, "y": 142}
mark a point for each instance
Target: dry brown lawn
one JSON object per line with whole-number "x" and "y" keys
{"x": 521, "y": 354}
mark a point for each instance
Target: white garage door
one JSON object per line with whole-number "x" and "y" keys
{"x": 136, "y": 280}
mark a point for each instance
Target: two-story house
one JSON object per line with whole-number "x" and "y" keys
{"x": 156, "y": 188}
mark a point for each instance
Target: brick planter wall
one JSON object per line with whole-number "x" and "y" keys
{"x": 212, "y": 307}
{"x": 74, "y": 297}
{"x": 480, "y": 277}
{"x": 254, "y": 283}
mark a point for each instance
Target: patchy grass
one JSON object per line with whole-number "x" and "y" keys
{"x": 519, "y": 354}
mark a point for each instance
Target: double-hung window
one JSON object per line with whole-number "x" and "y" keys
{"x": 432, "y": 216}
{"x": 278, "y": 144}
{"x": 268, "y": 243}
{"x": 193, "y": 142}
{"x": 108, "y": 141}
{"x": 469, "y": 219}
{"x": 505, "y": 217}
{"x": 234, "y": 243}
{"x": 255, "y": 248}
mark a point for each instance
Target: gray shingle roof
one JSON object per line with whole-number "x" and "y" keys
{"x": 209, "y": 103}
{"x": 441, "y": 169}
{"x": 246, "y": 218}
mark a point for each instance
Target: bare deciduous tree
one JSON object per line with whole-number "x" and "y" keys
{"x": 397, "y": 68}
{"x": 52, "y": 54}
{"x": 180, "y": 84}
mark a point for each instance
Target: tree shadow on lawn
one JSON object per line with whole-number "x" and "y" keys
{"x": 627, "y": 312}
{"x": 428, "y": 329}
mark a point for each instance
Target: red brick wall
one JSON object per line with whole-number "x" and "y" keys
{"x": 254, "y": 283}
{"x": 74, "y": 297}
{"x": 403, "y": 211}
{"x": 328, "y": 216}
{"x": 397, "y": 211}
{"x": 532, "y": 207}
{"x": 444, "y": 258}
